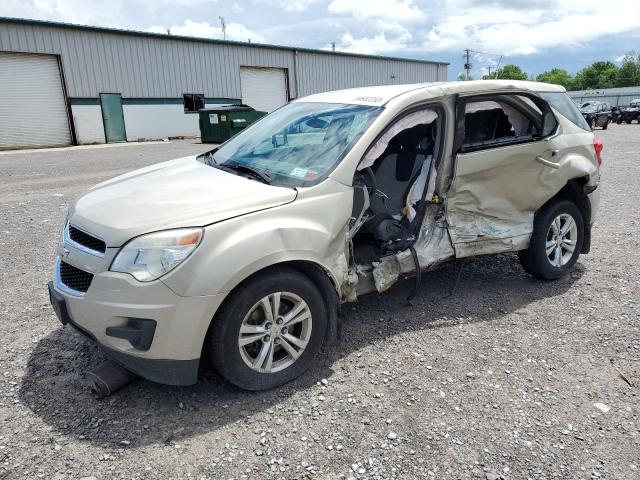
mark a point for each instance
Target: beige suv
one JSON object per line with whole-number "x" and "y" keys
{"x": 244, "y": 254}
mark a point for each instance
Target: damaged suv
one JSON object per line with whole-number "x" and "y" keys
{"x": 244, "y": 254}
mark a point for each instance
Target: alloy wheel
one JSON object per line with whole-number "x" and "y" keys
{"x": 275, "y": 332}
{"x": 561, "y": 240}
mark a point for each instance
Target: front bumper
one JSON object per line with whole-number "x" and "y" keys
{"x": 169, "y": 353}
{"x": 169, "y": 372}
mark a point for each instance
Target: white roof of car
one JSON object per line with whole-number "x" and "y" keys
{"x": 378, "y": 96}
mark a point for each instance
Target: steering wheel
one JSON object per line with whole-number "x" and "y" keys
{"x": 372, "y": 184}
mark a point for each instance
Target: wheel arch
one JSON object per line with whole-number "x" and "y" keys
{"x": 319, "y": 275}
{"x": 574, "y": 192}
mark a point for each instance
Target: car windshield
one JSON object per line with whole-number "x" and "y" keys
{"x": 297, "y": 145}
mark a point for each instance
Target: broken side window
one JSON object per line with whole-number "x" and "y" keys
{"x": 396, "y": 170}
{"x": 493, "y": 122}
{"x": 400, "y": 161}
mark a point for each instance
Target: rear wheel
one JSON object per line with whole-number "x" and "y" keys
{"x": 269, "y": 330}
{"x": 606, "y": 124}
{"x": 558, "y": 233}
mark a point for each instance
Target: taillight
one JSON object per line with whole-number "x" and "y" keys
{"x": 597, "y": 146}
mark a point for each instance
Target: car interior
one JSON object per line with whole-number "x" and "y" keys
{"x": 499, "y": 121}
{"x": 399, "y": 166}
{"x": 395, "y": 181}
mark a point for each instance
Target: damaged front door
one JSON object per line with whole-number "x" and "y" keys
{"x": 506, "y": 168}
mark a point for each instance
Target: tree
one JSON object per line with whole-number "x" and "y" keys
{"x": 628, "y": 74}
{"x": 557, "y": 76}
{"x": 597, "y": 75}
{"x": 508, "y": 72}
{"x": 463, "y": 77}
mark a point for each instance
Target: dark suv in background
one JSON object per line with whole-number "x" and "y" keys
{"x": 597, "y": 114}
{"x": 630, "y": 113}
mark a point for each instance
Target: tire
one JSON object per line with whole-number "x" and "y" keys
{"x": 535, "y": 259}
{"x": 619, "y": 120}
{"x": 628, "y": 121}
{"x": 606, "y": 124}
{"x": 592, "y": 123}
{"x": 244, "y": 309}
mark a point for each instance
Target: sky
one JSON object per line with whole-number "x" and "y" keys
{"x": 536, "y": 34}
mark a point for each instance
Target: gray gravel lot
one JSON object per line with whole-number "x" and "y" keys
{"x": 507, "y": 378}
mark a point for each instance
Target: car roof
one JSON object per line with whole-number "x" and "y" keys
{"x": 380, "y": 95}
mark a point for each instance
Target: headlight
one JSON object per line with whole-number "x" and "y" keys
{"x": 150, "y": 256}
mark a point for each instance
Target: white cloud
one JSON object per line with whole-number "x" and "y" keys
{"x": 235, "y": 31}
{"x": 391, "y": 9}
{"x": 498, "y": 27}
{"x": 289, "y": 5}
{"x": 71, "y": 11}
{"x": 416, "y": 28}
{"x": 371, "y": 45}
{"x": 392, "y": 37}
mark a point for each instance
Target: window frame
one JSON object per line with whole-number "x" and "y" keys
{"x": 193, "y": 96}
{"x": 542, "y": 104}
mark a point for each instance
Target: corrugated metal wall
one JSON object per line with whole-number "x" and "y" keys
{"x": 158, "y": 67}
{"x": 612, "y": 96}
{"x": 320, "y": 73}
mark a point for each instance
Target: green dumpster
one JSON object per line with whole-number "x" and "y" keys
{"x": 218, "y": 124}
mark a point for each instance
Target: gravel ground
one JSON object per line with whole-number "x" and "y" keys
{"x": 507, "y": 378}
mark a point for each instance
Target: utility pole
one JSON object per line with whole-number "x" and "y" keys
{"x": 224, "y": 28}
{"x": 498, "y": 66}
{"x": 467, "y": 65}
{"x": 333, "y": 46}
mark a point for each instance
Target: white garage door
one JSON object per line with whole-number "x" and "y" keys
{"x": 264, "y": 89}
{"x": 32, "y": 107}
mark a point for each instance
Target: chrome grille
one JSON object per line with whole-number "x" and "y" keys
{"x": 74, "y": 278}
{"x": 86, "y": 240}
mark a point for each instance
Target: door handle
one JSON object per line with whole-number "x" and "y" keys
{"x": 548, "y": 163}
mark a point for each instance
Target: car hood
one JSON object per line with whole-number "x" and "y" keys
{"x": 173, "y": 194}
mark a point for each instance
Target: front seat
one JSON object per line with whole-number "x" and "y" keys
{"x": 396, "y": 170}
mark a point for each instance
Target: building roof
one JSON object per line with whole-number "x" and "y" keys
{"x": 381, "y": 95}
{"x": 161, "y": 36}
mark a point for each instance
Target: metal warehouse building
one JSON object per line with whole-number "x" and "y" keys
{"x": 612, "y": 96}
{"x": 64, "y": 84}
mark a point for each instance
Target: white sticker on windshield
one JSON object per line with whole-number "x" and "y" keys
{"x": 298, "y": 172}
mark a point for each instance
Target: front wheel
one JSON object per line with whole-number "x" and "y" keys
{"x": 269, "y": 330}
{"x": 556, "y": 241}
